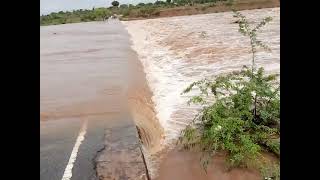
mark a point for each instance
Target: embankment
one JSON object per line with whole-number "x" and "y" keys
{"x": 143, "y": 112}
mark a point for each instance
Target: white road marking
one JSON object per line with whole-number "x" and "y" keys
{"x": 68, "y": 171}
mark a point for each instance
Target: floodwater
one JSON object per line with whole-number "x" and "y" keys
{"x": 177, "y": 51}
{"x": 88, "y": 71}
{"x": 187, "y": 167}
{"x": 83, "y": 70}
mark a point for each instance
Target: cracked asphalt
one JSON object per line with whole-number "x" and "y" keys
{"x": 56, "y": 142}
{"x": 58, "y": 137}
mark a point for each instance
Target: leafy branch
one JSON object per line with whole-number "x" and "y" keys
{"x": 246, "y": 30}
{"x": 240, "y": 111}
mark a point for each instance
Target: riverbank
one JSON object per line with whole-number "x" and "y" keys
{"x": 157, "y": 9}
{"x": 176, "y": 51}
{"x": 206, "y": 8}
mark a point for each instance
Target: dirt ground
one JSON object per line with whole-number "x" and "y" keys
{"x": 219, "y": 7}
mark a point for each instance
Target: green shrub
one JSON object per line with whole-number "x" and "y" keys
{"x": 273, "y": 145}
{"x": 96, "y": 14}
{"x": 123, "y": 6}
{"x": 234, "y": 121}
{"x": 159, "y": 3}
{"x": 230, "y": 2}
{"x": 141, "y": 4}
{"x": 149, "y": 4}
{"x": 156, "y": 13}
{"x": 212, "y": 4}
{"x": 125, "y": 12}
{"x": 271, "y": 172}
{"x": 148, "y": 11}
{"x": 181, "y": 2}
{"x": 203, "y": 8}
{"x": 240, "y": 111}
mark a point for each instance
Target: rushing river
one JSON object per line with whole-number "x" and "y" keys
{"x": 177, "y": 51}
{"x": 89, "y": 70}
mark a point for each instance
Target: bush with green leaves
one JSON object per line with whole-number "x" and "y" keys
{"x": 148, "y": 11}
{"x": 271, "y": 172}
{"x": 141, "y": 4}
{"x": 240, "y": 111}
{"x": 123, "y": 6}
{"x": 160, "y": 3}
{"x": 96, "y": 14}
{"x": 149, "y": 4}
{"x": 241, "y": 118}
{"x": 125, "y": 12}
{"x": 229, "y": 2}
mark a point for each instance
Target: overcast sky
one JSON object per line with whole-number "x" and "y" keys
{"x": 48, "y": 6}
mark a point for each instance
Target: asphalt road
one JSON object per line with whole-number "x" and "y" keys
{"x": 57, "y": 140}
{"x": 58, "y": 137}
{"x": 83, "y": 78}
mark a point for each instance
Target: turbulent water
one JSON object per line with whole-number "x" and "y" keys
{"x": 82, "y": 73}
{"x": 177, "y": 51}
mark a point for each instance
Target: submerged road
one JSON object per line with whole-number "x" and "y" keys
{"x": 58, "y": 139}
{"x": 84, "y": 75}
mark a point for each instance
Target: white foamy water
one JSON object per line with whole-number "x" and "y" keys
{"x": 177, "y": 51}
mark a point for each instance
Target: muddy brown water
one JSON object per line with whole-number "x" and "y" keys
{"x": 185, "y": 165}
{"x": 81, "y": 71}
{"x": 176, "y": 51}
{"x": 88, "y": 71}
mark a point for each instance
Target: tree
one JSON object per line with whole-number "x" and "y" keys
{"x": 168, "y": 1}
{"x": 246, "y": 30}
{"x": 159, "y": 3}
{"x": 115, "y": 3}
{"x": 123, "y": 6}
{"x": 141, "y": 4}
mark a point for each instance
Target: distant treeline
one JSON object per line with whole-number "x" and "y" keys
{"x": 144, "y": 10}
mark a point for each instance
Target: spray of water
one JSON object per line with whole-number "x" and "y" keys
{"x": 177, "y": 51}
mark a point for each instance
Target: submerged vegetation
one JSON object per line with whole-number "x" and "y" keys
{"x": 240, "y": 113}
{"x": 149, "y": 10}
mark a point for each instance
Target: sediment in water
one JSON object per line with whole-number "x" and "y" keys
{"x": 143, "y": 113}
{"x": 177, "y": 51}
